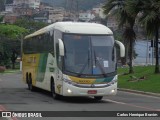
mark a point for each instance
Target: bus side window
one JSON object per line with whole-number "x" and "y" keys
{"x": 51, "y": 42}
{"x": 58, "y": 35}
{"x": 50, "y": 37}
{"x": 27, "y": 46}
{"x": 45, "y": 40}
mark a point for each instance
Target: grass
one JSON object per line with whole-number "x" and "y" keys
{"x": 151, "y": 83}
{"x": 10, "y": 71}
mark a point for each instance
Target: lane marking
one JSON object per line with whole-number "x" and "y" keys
{"x": 132, "y": 105}
{"x": 2, "y": 108}
{"x": 108, "y": 100}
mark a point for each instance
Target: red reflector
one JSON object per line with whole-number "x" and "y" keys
{"x": 92, "y": 91}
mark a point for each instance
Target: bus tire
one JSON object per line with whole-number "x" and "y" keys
{"x": 30, "y": 86}
{"x": 54, "y": 94}
{"x": 98, "y": 97}
{"x": 27, "y": 78}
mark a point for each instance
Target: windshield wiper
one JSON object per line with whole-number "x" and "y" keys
{"x": 84, "y": 66}
{"x": 100, "y": 66}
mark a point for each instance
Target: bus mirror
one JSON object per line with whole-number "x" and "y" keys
{"x": 61, "y": 47}
{"x": 122, "y": 48}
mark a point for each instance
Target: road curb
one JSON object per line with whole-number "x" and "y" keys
{"x": 139, "y": 92}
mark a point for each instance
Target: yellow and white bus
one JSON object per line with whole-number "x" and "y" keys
{"x": 72, "y": 59}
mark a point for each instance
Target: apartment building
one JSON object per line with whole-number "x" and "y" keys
{"x": 112, "y": 22}
{"x": 99, "y": 11}
{"x": 56, "y": 14}
{"x": 31, "y": 3}
{"x": 16, "y": 8}
{"x": 86, "y": 16}
{"x": 9, "y": 5}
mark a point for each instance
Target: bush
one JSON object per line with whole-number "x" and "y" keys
{"x": 2, "y": 69}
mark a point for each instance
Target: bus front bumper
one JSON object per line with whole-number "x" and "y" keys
{"x": 71, "y": 90}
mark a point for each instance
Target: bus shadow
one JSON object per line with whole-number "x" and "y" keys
{"x": 81, "y": 100}
{"x": 78, "y": 100}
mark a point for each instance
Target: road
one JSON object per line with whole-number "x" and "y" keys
{"x": 14, "y": 96}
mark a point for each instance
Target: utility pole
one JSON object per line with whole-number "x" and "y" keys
{"x": 147, "y": 53}
{"x": 77, "y": 10}
{"x": 71, "y": 9}
{"x": 66, "y": 9}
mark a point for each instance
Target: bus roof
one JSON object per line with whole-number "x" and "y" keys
{"x": 74, "y": 27}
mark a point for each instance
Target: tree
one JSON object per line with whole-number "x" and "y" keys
{"x": 118, "y": 8}
{"x": 149, "y": 11}
{"x": 12, "y": 31}
{"x": 151, "y": 20}
{"x": 30, "y": 25}
{"x": 4, "y": 52}
{"x": 10, "y": 43}
{"x": 15, "y": 52}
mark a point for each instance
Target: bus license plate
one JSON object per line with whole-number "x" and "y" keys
{"x": 92, "y": 91}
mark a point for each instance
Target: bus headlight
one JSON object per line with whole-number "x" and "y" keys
{"x": 69, "y": 91}
{"x": 113, "y": 91}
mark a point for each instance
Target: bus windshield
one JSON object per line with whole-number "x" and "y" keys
{"x": 92, "y": 55}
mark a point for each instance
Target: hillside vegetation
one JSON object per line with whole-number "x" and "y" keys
{"x": 83, "y": 4}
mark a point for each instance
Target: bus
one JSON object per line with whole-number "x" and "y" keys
{"x": 72, "y": 59}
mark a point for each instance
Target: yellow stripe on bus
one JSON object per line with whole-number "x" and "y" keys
{"x": 82, "y": 80}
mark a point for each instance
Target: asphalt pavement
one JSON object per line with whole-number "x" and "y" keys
{"x": 15, "y": 96}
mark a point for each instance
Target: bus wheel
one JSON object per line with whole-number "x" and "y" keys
{"x": 54, "y": 94}
{"x": 30, "y": 86}
{"x": 98, "y": 97}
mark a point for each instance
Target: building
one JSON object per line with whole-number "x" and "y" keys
{"x": 99, "y": 11}
{"x": 24, "y": 11}
{"x": 9, "y": 5}
{"x": 56, "y": 14}
{"x": 47, "y": 8}
{"x": 17, "y": 8}
{"x": 145, "y": 53}
{"x": 42, "y": 16}
{"x": 35, "y": 4}
{"x": 10, "y": 18}
{"x": 53, "y": 14}
{"x": 86, "y": 16}
{"x": 112, "y": 22}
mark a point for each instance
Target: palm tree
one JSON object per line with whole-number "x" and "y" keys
{"x": 118, "y": 8}
{"x": 150, "y": 18}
